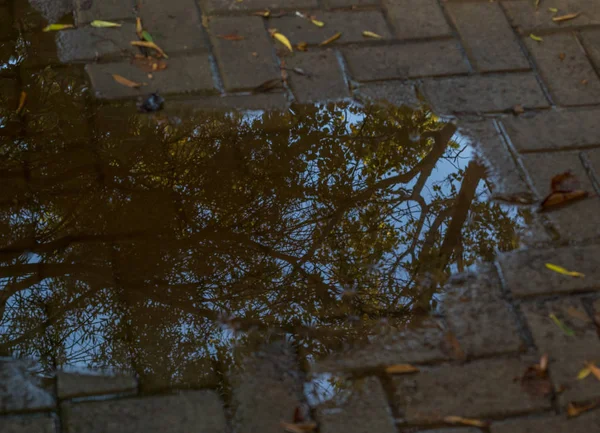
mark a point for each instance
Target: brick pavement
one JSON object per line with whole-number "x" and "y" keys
{"x": 472, "y": 59}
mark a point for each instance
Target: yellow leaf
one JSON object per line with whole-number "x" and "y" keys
{"x": 401, "y": 369}
{"x": 368, "y": 34}
{"x": 22, "y": 100}
{"x": 299, "y": 427}
{"x": 285, "y": 41}
{"x": 302, "y": 46}
{"x": 317, "y": 23}
{"x": 585, "y": 372}
{"x": 565, "y": 17}
{"x": 563, "y": 271}
{"x": 138, "y": 26}
{"x": 574, "y": 409}
{"x": 57, "y": 27}
{"x": 150, "y": 45}
{"x": 103, "y": 24}
{"x": 265, "y": 14}
{"x": 126, "y": 82}
{"x": 466, "y": 421}
{"x": 593, "y": 369}
{"x": 331, "y": 39}
{"x": 553, "y": 10}
{"x": 535, "y": 38}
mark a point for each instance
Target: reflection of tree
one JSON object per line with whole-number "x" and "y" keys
{"x": 147, "y": 242}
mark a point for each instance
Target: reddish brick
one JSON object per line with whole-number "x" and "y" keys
{"x": 528, "y": 17}
{"x": 247, "y": 63}
{"x": 415, "y": 19}
{"x": 487, "y": 36}
{"x": 550, "y": 424}
{"x": 591, "y": 42}
{"x": 325, "y": 80}
{"x": 107, "y": 10}
{"x": 420, "y": 59}
{"x": 572, "y": 80}
{"x": 88, "y": 43}
{"x": 350, "y": 24}
{"x": 223, "y": 6}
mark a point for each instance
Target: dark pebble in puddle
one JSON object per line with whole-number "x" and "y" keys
{"x": 152, "y": 103}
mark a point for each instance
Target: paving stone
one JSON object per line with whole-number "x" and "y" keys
{"x": 550, "y": 424}
{"x": 74, "y": 384}
{"x": 325, "y": 81}
{"x": 405, "y": 61}
{"x": 362, "y": 408}
{"x": 89, "y": 43}
{"x": 184, "y": 74}
{"x": 593, "y": 159}
{"x": 174, "y": 25}
{"x": 464, "y": 94}
{"x": 481, "y": 320}
{"x": 487, "y": 36}
{"x": 591, "y": 41}
{"x": 351, "y": 3}
{"x": 106, "y": 10}
{"x": 53, "y": 10}
{"x": 190, "y": 411}
{"x": 398, "y": 93}
{"x": 525, "y": 273}
{"x": 479, "y": 389}
{"x": 567, "y": 353}
{"x": 571, "y": 81}
{"x": 271, "y": 373}
{"x": 350, "y": 24}
{"x": 523, "y": 14}
{"x": 577, "y": 221}
{"x": 236, "y": 58}
{"x": 28, "y": 424}
{"x": 224, "y": 6}
{"x": 20, "y": 390}
{"x": 413, "y": 19}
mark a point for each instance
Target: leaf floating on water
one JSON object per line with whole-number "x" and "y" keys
{"x": 401, "y": 369}
{"x": 104, "y": 24}
{"x": 368, "y": 34}
{"x": 302, "y": 46}
{"x": 557, "y": 199}
{"x": 535, "y": 38}
{"x": 299, "y": 427}
{"x": 57, "y": 27}
{"x": 466, "y": 421}
{"x": 231, "y": 37}
{"x": 564, "y": 328}
{"x": 151, "y": 45}
{"x": 563, "y": 271}
{"x": 281, "y": 38}
{"x": 575, "y": 409}
{"x": 317, "y": 23}
{"x": 126, "y": 82}
{"x": 331, "y": 39}
{"x": 22, "y": 100}
{"x": 566, "y": 17}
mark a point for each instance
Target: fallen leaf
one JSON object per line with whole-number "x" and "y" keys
{"x": 147, "y": 36}
{"x": 578, "y": 314}
{"x": 300, "y": 427}
{"x": 22, "y": 100}
{"x": 57, "y": 27}
{"x": 563, "y": 271}
{"x": 331, "y": 39}
{"x": 268, "y": 85}
{"x": 138, "y": 27}
{"x": 566, "y": 17}
{"x": 535, "y": 38}
{"x": 125, "y": 82}
{"x": 205, "y": 21}
{"x": 151, "y": 45}
{"x": 317, "y": 23}
{"x": 553, "y": 10}
{"x": 266, "y": 13}
{"x": 583, "y": 373}
{"x": 568, "y": 331}
{"x": 575, "y": 409}
{"x": 584, "y": 82}
{"x": 558, "y": 199}
{"x": 537, "y": 4}
{"x": 231, "y": 37}
{"x": 466, "y": 421}
{"x": 281, "y": 38}
{"x": 368, "y": 34}
{"x": 104, "y": 24}
{"x": 518, "y": 109}
{"x": 563, "y": 182}
{"x": 299, "y": 71}
{"x": 401, "y": 369}
{"x": 593, "y": 369}
{"x": 562, "y": 56}
{"x": 543, "y": 365}
{"x": 302, "y": 46}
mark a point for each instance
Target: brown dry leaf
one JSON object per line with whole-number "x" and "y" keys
{"x": 557, "y": 199}
{"x": 149, "y": 64}
{"x": 302, "y": 46}
{"x": 268, "y": 85}
{"x": 401, "y": 369}
{"x": 231, "y": 37}
{"x": 575, "y": 409}
{"x": 593, "y": 369}
{"x": 466, "y": 421}
{"x": 584, "y": 82}
{"x": 561, "y": 181}
{"x": 535, "y": 379}
{"x": 125, "y": 82}
{"x": 566, "y": 17}
{"x": 205, "y": 21}
{"x": 543, "y": 365}
{"x": 457, "y": 350}
{"x": 151, "y": 45}
{"x": 22, "y": 100}
{"x": 578, "y": 314}
{"x": 331, "y": 39}
{"x": 518, "y": 109}
{"x": 299, "y": 427}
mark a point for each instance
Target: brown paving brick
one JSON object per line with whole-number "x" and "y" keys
{"x": 591, "y": 41}
{"x": 405, "y": 61}
{"x": 572, "y": 80}
{"x": 223, "y": 6}
{"x": 550, "y": 424}
{"x": 351, "y": 3}
{"x": 88, "y": 43}
{"x": 476, "y": 390}
{"x": 240, "y": 68}
{"x": 350, "y": 24}
{"x": 464, "y": 94}
{"x": 397, "y": 93}
{"x": 175, "y": 25}
{"x": 526, "y": 275}
{"x": 183, "y": 75}
{"x": 567, "y": 353}
{"x": 107, "y": 10}
{"x": 413, "y": 19}
{"x": 487, "y": 36}
{"x": 325, "y": 80}
{"x": 523, "y": 13}
{"x": 28, "y": 424}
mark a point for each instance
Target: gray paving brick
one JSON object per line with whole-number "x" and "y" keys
{"x": 405, "y": 61}
{"x": 28, "y": 424}
{"x": 487, "y": 36}
{"x": 89, "y": 43}
{"x": 572, "y": 80}
{"x": 240, "y": 68}
{"x": 224, "y": 6}
{"x": 363, "y": 408}
{"x": 456, "y": 390}
{"x": 183, "y": 74}
{"x": 350, "y": 24}
{"x": 325, "y": 82}
{"x": 106, "y": 10}
{"x": 523, "y": 14}
{"x": 190, "y": 411}
{"x": 413, "y": 19}
{"x": 174, "y": 25}
{"x": 591, "y": 41}
{"x": 397, "y": 93}
{"x": 80, "y": 384}
{"x": 550, "y": 424}
{"x": 20, "y": 390}
{"x": 351, "y": 3}
{"x": 567, "y": 353}
{"x": 525, "y": 272}
{"x": 464, "y": 94}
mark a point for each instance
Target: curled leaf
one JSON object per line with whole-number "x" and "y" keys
{"x": 151, "y": 45}
{"x": 281, "y": 38}
{"x": 126, "y": 82}
{"x": 104, "y": 24}
{"x": 466, "y": 421}
{"x": 22, "y": 100}
{"x": 331, "y": 39}
{"x": 535, "y": 38}
{"x": 317, "y": 23}
{"x": 563, "y": 271}
{"x": 368, "y": 34}
{"x": 566, "y": 17}
{"x": 568, "y": 331}
{"x": 401, "y": 369}
{"x": 57, "y": 27}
